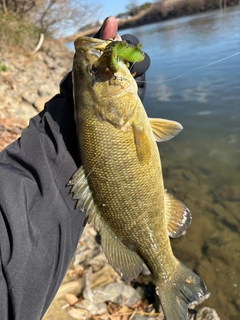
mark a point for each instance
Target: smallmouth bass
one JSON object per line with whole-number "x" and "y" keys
{"x": 119, "y": 185}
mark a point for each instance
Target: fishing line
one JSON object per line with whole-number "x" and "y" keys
{"x": 197, "y": 68}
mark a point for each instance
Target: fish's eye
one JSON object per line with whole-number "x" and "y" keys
{"x": 92, "y": 69}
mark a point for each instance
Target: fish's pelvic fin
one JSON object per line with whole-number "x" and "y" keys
{"x": 163, "y": 129}
{"x": 124, "y": 261}
{"x": 178, "y": 216}
{"x": 175, "y": 294}
{"x": 142, "y": 144}
{"x": 81, "y": 192}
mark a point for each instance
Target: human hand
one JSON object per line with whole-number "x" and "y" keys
{"x": 63, "y": 113}
{"x": 108, "y": 30}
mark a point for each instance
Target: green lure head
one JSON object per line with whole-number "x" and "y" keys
{"x": 115, "y": 50}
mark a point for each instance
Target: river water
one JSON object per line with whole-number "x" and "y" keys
{"x": 201, "y": 166}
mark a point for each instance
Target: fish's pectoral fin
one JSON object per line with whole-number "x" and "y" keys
{"x": 81, "y": 192}
{"x": 178, "y": 216}
{"x": 124, "y": 261}
{"x": 142, "y": 143}
{"x": 163, "y": 129}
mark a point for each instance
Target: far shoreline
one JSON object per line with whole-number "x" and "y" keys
{"x": 145, "y": 17}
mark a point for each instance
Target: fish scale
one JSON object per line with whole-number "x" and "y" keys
{"x": 113, "y": 186}
{"x": 107, "y": 183}
{"x": 120, "y": 186}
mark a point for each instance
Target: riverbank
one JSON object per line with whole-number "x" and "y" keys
{"x": 91, "y": 290}
{"x": 27, "y": 81}
{"x": 26, "y": 84}
{"x": 161, "y": 11}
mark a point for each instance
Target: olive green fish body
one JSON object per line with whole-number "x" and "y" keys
{"x": 120, "y": 186}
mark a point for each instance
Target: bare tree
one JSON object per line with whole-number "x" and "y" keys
{"x": 3, "y": 6}
{"x": 223, "y": 3}
{"x": 133, "y": 7}
{"x": 59, "y": 16}
{"x": 17, "y": 7}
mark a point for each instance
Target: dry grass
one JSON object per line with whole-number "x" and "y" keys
{"x": 15, "y": 32}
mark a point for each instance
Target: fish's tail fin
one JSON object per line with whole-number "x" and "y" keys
{"x": 182, "y": 288}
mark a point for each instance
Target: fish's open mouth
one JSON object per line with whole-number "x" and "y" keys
{"x": 103, "y": 55}
{"x": 101, "y": 64}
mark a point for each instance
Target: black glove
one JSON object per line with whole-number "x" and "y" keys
{"x": 64, "y": 116}
{"x": 138, "y": 68}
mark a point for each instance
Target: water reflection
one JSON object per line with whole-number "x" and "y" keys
{"x": 201, "y": 166}
{"x": 198, "y": 93}
{"x": 163, "y": 93}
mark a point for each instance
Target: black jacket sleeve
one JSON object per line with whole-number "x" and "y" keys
{"x": 39, "y": 226}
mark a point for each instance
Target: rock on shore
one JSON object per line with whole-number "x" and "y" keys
{"x": 30, "y": 80}
{"x": 91, "y": 289}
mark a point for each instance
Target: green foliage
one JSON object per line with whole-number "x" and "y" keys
{"x": 145, "y": 6}
{"x": 3, "y": 67}
{"x": 16, "y": 32}
{"x": 134, "y": 8}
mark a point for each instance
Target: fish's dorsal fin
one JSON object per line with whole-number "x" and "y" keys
{"x": 142, "y": 144}
{"x": 163, "y": 129}
{"x": 178, "y": 216}
{"x": 82, "y": 193}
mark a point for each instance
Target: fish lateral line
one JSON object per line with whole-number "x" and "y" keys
{"x": 115, "y": 208}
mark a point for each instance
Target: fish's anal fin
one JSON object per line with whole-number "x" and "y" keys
{"x": 163, "y": 129}
{"x": 81, "y": 192}
{"x": 183, "y": 287}
{"x": 178, "y": 216}
{"x": 142, "y": 144}
{"x": 124, "y": 261}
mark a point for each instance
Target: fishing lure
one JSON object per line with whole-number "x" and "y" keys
{"x": 115, "y": 50}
